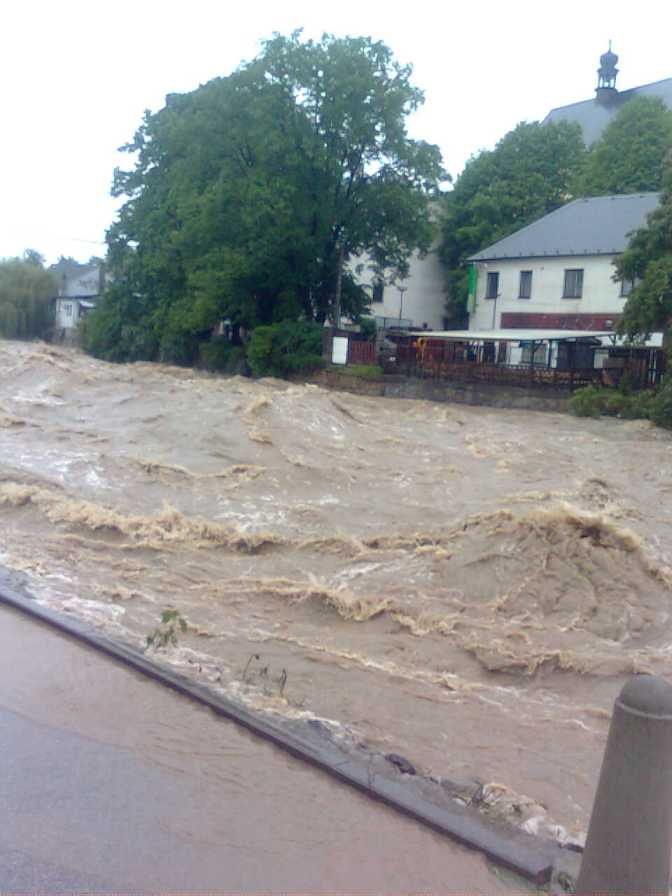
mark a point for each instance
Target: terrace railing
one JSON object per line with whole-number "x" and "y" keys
{"x": 500, "y": 374}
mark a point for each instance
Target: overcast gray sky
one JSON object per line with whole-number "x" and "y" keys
{"x": 77, "y": 76}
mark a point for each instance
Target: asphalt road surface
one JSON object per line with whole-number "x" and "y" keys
{"x": 111, "y": 782}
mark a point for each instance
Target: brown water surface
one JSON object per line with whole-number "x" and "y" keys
{"x": 469, "y": 587}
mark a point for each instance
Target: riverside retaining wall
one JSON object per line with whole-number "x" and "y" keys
{"x": 516, "y": 397}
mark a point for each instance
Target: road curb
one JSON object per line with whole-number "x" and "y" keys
{"x": 527, "y": 855}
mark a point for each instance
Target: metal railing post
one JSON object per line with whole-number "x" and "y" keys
{"x": 629, "y": 839}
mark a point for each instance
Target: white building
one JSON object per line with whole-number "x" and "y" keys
{"x": 79, "y": 287}
{"x": 416, "y": 301}
{"x": 557, "y": 274}
{"x": 559, "y": 271}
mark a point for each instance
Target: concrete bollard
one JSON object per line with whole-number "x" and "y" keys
{"x": 628, "y": 847}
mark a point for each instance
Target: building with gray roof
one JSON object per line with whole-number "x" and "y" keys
{"x": 594, "y": 226}
{"x": 594, "y": 115}
{"x": 558, "y": 273}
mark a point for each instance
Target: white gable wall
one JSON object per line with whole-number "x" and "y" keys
{"x": 424, "y": 299}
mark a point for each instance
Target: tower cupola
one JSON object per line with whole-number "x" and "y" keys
{"x": 606, "y": 75}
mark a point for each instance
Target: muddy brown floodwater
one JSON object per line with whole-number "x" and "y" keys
{"x": 468, "y": 587}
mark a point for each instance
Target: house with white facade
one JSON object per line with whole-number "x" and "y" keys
{"x": 546, "y": 300}
{"x": 557, "y": 274}
{"x": 417, "y": 300}
{"x": 79, "y": 288}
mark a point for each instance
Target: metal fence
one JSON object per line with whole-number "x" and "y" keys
{"x": 484, "y": 364}
{"x": 501, "y": 374}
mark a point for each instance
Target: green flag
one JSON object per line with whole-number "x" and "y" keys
{"x": 473, "y": 285}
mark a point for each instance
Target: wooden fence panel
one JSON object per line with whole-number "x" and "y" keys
{"x": 361, "y": 352}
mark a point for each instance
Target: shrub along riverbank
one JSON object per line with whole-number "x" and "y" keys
{"x": 283, "y": 349}
{"x": 648, "y": 404}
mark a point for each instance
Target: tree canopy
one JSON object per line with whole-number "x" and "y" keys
{"x": 629, "y": 156}
{"x": 250, "y": 193}
{"x": 25, "y": 292}
{"x": 528, "y": 174}
{"x": 647, "y": 262}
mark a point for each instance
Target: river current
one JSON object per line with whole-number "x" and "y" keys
{"x": 469, "y": 587}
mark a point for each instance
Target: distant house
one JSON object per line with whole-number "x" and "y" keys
{"x": 544, "y": 305}
{"x": 79, "y": 288}
{"x": 594, "y": 115}
{"x": 557, "y": 273}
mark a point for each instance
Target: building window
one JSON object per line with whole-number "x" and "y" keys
{"x": 525, "y": 288}
{"x": 492, "y": 285}
{"x": 573, "y": 283}
{"x": 532, "y": 354}
{"x": 377, "y": 291}
{"x": 68, "y": 309}
{"x": 627, "y": 286}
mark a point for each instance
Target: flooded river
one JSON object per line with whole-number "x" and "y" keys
{"x": 468, "y": 587}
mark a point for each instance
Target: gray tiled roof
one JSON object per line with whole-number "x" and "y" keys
{"x": 598, "y": 226}
{"x": 594, "y": 116}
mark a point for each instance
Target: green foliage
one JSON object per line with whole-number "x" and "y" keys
{"x": 247, "y": 192}
{"x": 588, "y": 402}
{"x": 365, "y": 371}
{"x": 629, "y": 156}
{"x": 648, "y": 262}
{"x": 368, "y": 329}
{"x": 118, "y": 330}
{"x": 661, "y": 407}
{"x": 166, "y": 632}
{"x": 285, "y": 348}
{"x": 526, "y": 175}
{"x": 593, "y": 401}
{"x": 220, "y": 355}
{"x": 633, "y": 406}
{"x": 26, "y": 289}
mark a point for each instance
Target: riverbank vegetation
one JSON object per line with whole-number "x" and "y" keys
{"x": 26, "y": 290}
{"x": 249, "y": 195}
{"x": 646, "y": 404}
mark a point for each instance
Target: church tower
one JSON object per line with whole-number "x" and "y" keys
{"x": 606, "y": 77}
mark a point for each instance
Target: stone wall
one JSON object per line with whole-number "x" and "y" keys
{"x": 445, "y": 390}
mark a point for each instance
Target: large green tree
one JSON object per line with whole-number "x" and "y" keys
{"x": 648, "y": 263}
{"x": 26, "y": 290}
{"x": 629, "y": 156}
{"x": 528, "y": 174}
{"x": 250, "y": 194}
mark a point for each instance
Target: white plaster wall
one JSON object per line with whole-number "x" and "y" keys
{"x": 424, "y": 299}
{"x": 600, "y": 293}
{"x": 88, "y": 284}
{"x": 65, "y": 321}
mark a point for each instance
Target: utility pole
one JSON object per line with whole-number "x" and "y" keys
{"x": 339, "y": 285}
{"x": 402, "y": 290}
